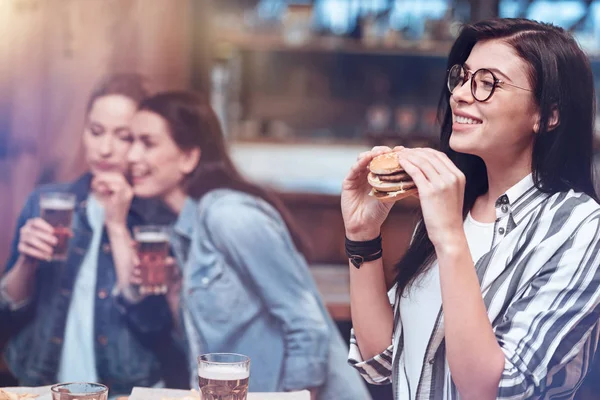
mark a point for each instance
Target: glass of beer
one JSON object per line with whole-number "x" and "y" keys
{"x": 79, "y": 391}
{"x": 57, "y": 209}
{"x": 223, "y": 376}
{"x": 153, "y": 250}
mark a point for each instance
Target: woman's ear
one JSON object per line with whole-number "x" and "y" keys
{"x": 553, "y": 121}
{"x": 189, "y": 160}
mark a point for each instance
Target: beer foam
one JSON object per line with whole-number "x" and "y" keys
{"x": 223, "y": 373}
{"x": 152, "y": 237}
{"x": 56, "y": 204}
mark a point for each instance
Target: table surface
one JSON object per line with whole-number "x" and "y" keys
{"x": 160, "y": 394}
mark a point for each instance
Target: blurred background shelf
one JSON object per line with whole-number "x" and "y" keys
{"x": 330, "y": 45}
{"x": 297, "y": 72}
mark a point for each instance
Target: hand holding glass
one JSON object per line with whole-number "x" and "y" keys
{"x": 152, "y": 250}
{"x": 57, "y": 209}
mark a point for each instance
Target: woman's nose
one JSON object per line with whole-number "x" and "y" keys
{"x": 462, "y": 93}
{"x": 106, "y": 146}
{"x": 134, "y": 153}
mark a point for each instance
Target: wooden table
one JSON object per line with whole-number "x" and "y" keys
{"x": 139, "y": 393}
{"x": 158, "y": 394}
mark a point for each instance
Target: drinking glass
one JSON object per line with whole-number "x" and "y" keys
{"x": 223, "y": 376}
{"x": 56, "y": 208}
{"x": 79, "y": 391}
{"x": 153, "y": 250}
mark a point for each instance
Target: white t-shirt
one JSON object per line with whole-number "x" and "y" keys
{"x": 419, "y": 308}
{"x": 78, "y": 358}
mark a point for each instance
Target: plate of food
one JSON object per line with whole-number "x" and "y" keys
{"x": 24, "y": 393}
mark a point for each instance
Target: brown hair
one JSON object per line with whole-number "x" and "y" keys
{"x": 193, "y": 124}
{"x": 130, "y": 85}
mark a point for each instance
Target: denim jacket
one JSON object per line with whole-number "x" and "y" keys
{"x": 246, "y": 289}
{"x": 123, "y": 336}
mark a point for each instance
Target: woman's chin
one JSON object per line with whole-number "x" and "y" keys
{"x": 144, "y": 192}
{"x": 462, "y": 144}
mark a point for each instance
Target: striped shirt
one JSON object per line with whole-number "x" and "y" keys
{"x": 541, "y": 286}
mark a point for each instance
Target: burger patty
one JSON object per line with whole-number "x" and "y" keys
{"x": 395, "y": 177}
{"x": 403, "y": 185}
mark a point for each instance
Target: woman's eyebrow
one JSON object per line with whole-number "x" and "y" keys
{"x": 495, "y": 70}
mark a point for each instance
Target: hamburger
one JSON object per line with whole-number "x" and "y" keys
{"x": 388, "y": 180}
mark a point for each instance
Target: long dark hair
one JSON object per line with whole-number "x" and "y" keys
{"x": 193, "y": 124}
{"x": 561, "y": 78}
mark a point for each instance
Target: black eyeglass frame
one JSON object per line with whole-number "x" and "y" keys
{"x": 469, "y": 76}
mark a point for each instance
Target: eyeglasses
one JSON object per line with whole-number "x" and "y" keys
{"x": 483, "y": 81}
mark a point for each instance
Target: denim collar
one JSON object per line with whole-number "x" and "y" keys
{"x": 185, "y": 222}
{"x": 81, "y": 189}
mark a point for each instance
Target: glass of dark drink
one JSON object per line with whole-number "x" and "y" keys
{"x": 223, "y": 376}
{"x": 153, "y": 250}
{"x": 79, "y": 391}
{"x": 57, "y": 209}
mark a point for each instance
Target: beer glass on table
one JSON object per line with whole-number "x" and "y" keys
{"x": 79, "y": 391}
{"x": 57, "y": 209}
{"x": 153, "y": 250}
{"x": 223, "y": 376}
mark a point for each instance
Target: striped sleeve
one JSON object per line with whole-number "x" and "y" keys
{"x": 378, "y": 369}
{"x": 550, "y": 333}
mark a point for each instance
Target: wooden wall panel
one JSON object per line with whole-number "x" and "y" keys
{"x": 319, "y": 217}
{"x": 52, "y": 52}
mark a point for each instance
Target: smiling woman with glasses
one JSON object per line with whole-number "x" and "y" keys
{"x": 498, "y": 294}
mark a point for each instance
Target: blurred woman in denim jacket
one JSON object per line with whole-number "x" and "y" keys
{"x": 246, "y": 288}
{"x": 75, "y": 326}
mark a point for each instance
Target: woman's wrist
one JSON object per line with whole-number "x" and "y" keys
{"x": 452, "y": 246}
{"x": 362, "y": 234}
{"x": 25, "y": 262}
{"x": 117, "y": 229}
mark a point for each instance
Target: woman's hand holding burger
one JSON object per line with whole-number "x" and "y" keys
{"x": 441, "y": 188}
{"x": 391, "y": 175}
{"x": 363, "y": 213}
